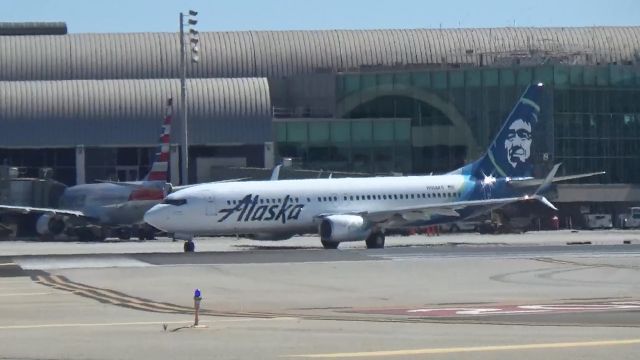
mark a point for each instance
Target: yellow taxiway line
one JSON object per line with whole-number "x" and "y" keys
{"x": 453, "y": 350}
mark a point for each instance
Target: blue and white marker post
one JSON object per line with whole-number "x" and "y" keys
{"x": 197, "y": 296}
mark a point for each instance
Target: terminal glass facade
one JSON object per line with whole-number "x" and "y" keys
{"x": 590, "y": 117}
{"x": 368, "y": 145}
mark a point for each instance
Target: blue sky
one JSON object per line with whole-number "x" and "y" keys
{"x": 216, "y": 15}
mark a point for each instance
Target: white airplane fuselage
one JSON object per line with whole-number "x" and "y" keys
{"x": 293, "y": 206}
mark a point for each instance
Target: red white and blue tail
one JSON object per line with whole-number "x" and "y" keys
{"x": 160, "y": 167}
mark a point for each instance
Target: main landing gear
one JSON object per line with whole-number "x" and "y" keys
{"x": 189, "y": 246}
{"x": 330, "y": 244}
{"x": 375, "y": 240}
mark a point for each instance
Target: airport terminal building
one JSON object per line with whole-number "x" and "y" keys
{"x": 373, "y": 101}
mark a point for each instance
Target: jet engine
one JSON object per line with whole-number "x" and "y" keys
{"x": 49, "y": 224}
{"x": 338, "y": 228}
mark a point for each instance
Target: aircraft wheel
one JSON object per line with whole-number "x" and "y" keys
{"x": 189, "y": 246}
{"x": 375, "y": 241}
{"x": 124, "y": 234}
{"x": 85, "y": 235}
{"x": 330, "y": 244}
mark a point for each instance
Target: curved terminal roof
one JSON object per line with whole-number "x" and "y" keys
{"x": 283, "y": 53}
{"x": 130, "y": 112}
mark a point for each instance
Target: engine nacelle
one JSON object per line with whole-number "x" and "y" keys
{"x": 49, "y": 224}
{"x": 338, "y": 228}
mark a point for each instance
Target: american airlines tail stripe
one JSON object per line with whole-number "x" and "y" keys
{"x": 159, "y": 166}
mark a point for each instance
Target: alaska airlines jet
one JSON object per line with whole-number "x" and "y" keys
{"x": 88, "y": 210}
{"x": 352, "y": 209}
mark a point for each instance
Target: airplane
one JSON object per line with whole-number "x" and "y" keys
{"x": 91, "y": 211}
{"x": 355, "y": 209}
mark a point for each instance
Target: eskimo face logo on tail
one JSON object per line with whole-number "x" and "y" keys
{"x": 518, "y": 143}
{"x": 511, "y": 153}
{"x": 249, "y": 210}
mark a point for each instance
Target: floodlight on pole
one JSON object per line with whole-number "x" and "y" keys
{"x": 193, "y": 40}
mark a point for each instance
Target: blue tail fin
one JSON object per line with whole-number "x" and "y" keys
{"x": 509, "y": 155}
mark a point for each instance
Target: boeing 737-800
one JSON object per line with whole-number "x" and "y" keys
{"x": 351, "y": 209}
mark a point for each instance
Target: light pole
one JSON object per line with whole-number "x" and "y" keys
{"x": 193, "y": 41}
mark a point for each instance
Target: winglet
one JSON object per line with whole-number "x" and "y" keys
{"x": 548, "y": 180}
{"x": 275, "y": 174}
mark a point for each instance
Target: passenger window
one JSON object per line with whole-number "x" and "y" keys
{"x": 319, "y": 199}
{"x": 395, "y": 196}
{"x": 335, "y": 198}
{"x": 412, "y": 196}
{"x": 351, "y": 197}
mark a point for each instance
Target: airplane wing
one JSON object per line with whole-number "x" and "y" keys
{"x": 122, "y": 183}
{"x": 176, "y": 188}
{"x": 423, "y": 212}
{"x": 29, "y": 209}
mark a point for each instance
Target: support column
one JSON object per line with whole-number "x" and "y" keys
{"x": 80, "y": 165}
{"x": 174, "y": 163}
{"x": 269, "y": 155}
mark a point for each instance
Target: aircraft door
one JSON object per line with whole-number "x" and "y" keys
{"x": 211, "y": 209}
{"x": 347, "y": 201}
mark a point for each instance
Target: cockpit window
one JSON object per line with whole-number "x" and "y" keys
{"x": 176, "y": 202}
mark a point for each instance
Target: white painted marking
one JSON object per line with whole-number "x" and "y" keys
{"x": 79, "y": 262}
{"x": 26, "y": 294}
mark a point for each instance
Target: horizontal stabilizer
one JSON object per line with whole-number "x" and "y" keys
{"x": 529, "y": 182}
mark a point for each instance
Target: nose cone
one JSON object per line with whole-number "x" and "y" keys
{"x": 157, "y": 217}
